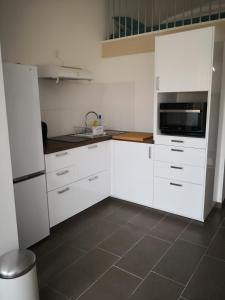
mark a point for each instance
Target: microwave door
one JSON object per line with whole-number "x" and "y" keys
{"x": 184, "y": 122}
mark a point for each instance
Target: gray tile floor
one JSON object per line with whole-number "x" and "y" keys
{"x": 117, "y": 251}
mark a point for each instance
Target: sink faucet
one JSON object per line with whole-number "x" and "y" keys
{"x": 87, "y": 114}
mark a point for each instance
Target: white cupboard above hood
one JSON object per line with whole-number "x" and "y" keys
{"x": 60, "y": 72}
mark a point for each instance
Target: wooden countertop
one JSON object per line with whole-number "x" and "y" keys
{"x": 55, "y": 146}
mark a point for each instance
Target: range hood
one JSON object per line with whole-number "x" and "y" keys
{"x": 62, "y": 72}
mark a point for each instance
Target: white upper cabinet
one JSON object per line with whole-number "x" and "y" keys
{"x": 132, "y": 177}
{"x": 184, "y": 61}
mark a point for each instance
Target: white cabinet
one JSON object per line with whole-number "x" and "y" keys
{"x": 132, "y": 177}
{"x": 59, "y": 160}
{"x": 177, "y": 171}
{"x": 91, "y": 159}
{"x": 179, "y": 197}
{"x": 72, "y": 199}
{"x": 183, "y": 61}
{"x": 76, "y": 179}
{"x": 183, "y": 155}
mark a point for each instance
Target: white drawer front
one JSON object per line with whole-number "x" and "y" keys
{"x": 61, "y": 177}
{"x": 180, "y": 141}
{"x": 179, "y": 172}
{"x": 71, "y": 199}
{"x": 58, "y": 160}
{"x": 182, "y": 155}
{"x": 177, "y": 197}
{"x": 91, "y": 159}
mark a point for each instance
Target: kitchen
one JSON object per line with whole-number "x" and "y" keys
{"x": 123, "y": 93}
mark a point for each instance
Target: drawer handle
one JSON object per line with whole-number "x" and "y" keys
{"x": 62, "y": 173}
{"x": 93, "y": 178}
{"x": 177, "y": 150}
{"x": 64, "y": 191}
{"x": 177, "y": 141}
{"x": 93, "y": 147}
{"x": 176, "y": 184}
{"x": 177, "y": 168}
{"x": 61, "y": 154}
{"x": 150, "y": 152}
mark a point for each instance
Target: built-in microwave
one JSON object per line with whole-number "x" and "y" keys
{"x": 186, "y": 119}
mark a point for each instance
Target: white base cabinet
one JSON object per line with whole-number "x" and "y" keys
{"x": 72, "y": 199}
{"x": 132, "y": 172}
{"x": 179, "y": 197}
{"x": 77, "y": 179}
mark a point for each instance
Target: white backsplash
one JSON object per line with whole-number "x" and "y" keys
{"x": 64, "y": 106}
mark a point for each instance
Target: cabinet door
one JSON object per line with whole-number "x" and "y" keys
{"x": 133, "y": 172}
{"x": 183, "y": 61}
{"x": 69, "y": 200}
{"x": 91, "y": 159}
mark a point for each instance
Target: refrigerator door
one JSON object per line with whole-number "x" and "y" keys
{"x": 31, "y": 211}
{"x": 24, "y": 119}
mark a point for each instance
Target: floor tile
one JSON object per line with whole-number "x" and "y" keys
{"x": 217, "y": 248}
{"x": 143, "y": 256}
{"x": 199, "y": 233}
{"x": 50, "y": 243}
{"x": 180, "y": 261}
{"x": 208, "y": 283}
{"x": 93, "y": 235}
{"x": 114, "y": 285}
{"x": 53, "y": 264}
{"x": 77, "y": 278}
{"x": 48, "y": 294}
{"x": 156, "y": 287}
{"x": 107, "y": 207}
{"x": 121, "y": 240}
{"x": 147, "y": 219}
{"x": 124, "y": 213}
{"x": 170, "y": 227}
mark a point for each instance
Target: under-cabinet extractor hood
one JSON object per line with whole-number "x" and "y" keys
{"x": 62, "y": 72}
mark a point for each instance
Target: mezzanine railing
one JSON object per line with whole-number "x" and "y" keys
{"x": 132, "y": 17}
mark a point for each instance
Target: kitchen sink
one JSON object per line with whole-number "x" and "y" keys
{"x": 70, "y": 138}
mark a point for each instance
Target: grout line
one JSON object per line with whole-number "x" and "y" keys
{"x": 93, "y": 283}
{"x": 125, "y": 271}
{"x": 192, "y": 243}
{"x": 57, "y": 292}
{"x": 158, "y": 238}
{"x": 214, "y": 257}
{"x": 201, "y": 259}
{"x": 109, "y": 252}
{"x": 159, "y": 260}
{"x": 168, "y": 278}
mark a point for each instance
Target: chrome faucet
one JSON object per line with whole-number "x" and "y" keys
{"x": 87, "y": 114}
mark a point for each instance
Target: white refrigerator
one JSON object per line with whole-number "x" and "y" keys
{"x": 26, "y": 146}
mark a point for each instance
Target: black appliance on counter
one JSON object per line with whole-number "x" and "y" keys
{"x": 185, "y": 119}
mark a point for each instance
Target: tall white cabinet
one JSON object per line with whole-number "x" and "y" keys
{"x": 188, "y": 69}
{"x": 132, "y": 172}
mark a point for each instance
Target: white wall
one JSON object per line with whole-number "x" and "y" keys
{"x": 220, "y": 155}
{"x": 8, "y": 226}
{"x": 33, "y": 32}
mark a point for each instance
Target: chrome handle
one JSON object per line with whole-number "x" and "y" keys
{"x": 177, "y": 150}
{"x": 150, "y": 152}
{"x": 176, "y": 184}
{"x": 62, "y": 173}
{"x": 157, "y": 83}
{"x": 174, "y": 167}
{"x": 93, "y": 178}
{"x": 61, "y": 154}
{"x": 64, "y": 191}
{"x": 93, "y": 147}
{"x": 177, "y": 141}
